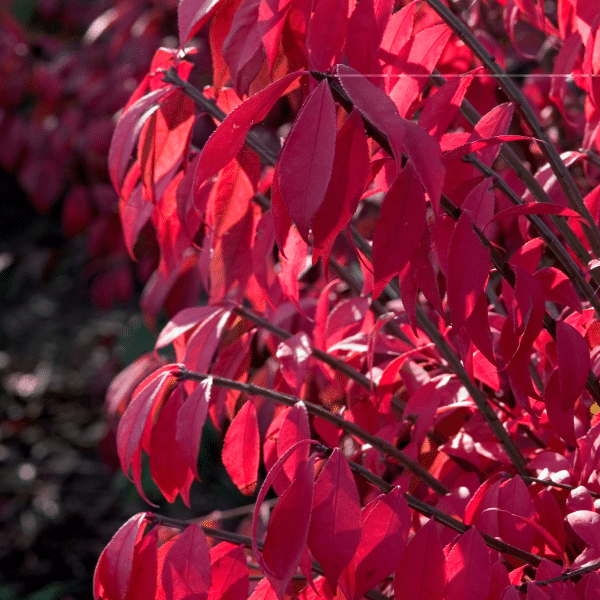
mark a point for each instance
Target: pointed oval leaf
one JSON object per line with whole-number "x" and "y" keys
{"x": 468, "y": 569}
{"x": 229, "y": 572}
{"x": 127, "y": 132}
{"x": 241, "y": 449}
{"x": 468, "y": 267}
{"x": 191, "y": 16}
{"x": 183, "y": 321}
{"x": 306, "y": 159}
{"x": 190, "y": 422}
{"x": 402, "y": 216}
{"x": 229, "y": 137}
{"x": 186, "y": 570}
{"x": 132, "y": 426}
{"x": 573, "y": 356}
{"x": 421, "y": 573}
{"x": 288, "y": 529}
{"x": 114, "y": 567}
{"x": 336, "y": 518}
{"x": 386, "y": 522}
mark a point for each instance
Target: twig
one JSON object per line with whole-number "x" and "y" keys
{"x": 326, "y": 415}
{"x": 332, "y": 361}
{"x": 562, "y": 486}
{"x": 563, "y": 577}
{"x": 514, "y": 93}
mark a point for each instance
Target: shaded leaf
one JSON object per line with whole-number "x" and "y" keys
{"x": 336, "y": 517}
{"x": 421, "y": 573}
{"x": 190, "y": 423}
{"x": 306, "y": 159}
{"x": 402, "y": 217}
{"x": 468, "y": 267}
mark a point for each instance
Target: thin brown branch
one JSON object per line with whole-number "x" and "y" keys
{"x": 562, "y": 577}
{"x": 319, "y": 411}
{"x": 513, "y": 92}
{"x": 332, "y": 361}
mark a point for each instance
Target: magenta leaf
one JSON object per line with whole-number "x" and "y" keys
{"x": 127, "y": 132}
{"x": 190, "y": 422}
{"x": 186, "y": 570}
{"x": 229, "y": 578}
{"x": 191, "y": 16}
{"x": 229, "y": 137}
{"x": 306, "y": 159}
{"x": 421, "y": 573}
{"x": 468, "y": 267}
{"x": 114, "y": 568}
{"x": 336, "y": 518}
{"x": 573, "y": 362}
{"x": 403, "y": 215}
{"x": 385, "y": 525}
{"x": 468, "y": 569}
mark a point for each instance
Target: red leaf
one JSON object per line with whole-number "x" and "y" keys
{"x": 573, "y": 362}
{"x": 294, "y": 428}
{"x": 168, "y": 466}
{"x": 499, "y": 580}
{"x": 183, "y": 321}
{"x": 350, "y": 168}
{"x": 186, "y": 570}
{"x": 190, "y": 422}
{"x": 557, "y": 287}
{"x": 191, "y": 16}
{"x": 306, "y": 159}
{"x": 526, "y": 321}
{"x": 375, "y": 105}
{"x": 425, "y": 51}
{"x": 241, "y": 449}
{"x": 423, "y": 150}
{"x": 468, "y": 267}
{"x": 336, "y": 518}
{"x": 293, "y": 355}
{"x": 263, "y": 591}
{"x": 479, "y": 144}
{"x": 229, "y": 137}
{"x": 326, "y": 33}
{"x": 535, "y": 208}
{"x": 165, "y": 139}
{"x": 144, "y": 572}
{"x": 365, "y": 31}
{"x": 134, "y": 424}
{"x": 229, "y": 572}
{"x": 440, "y": 109}
{"x": 127, "y": 132}
{"x": 403, "y": 215}
{"x": 114, "y": 568}
{"x": 421, "y": 573}
{"x": 385, "y": 526}
{"x": 494, "y": 123}
{"x": 468, "y": 569}
{"x": 288, "y": 529}
{"x": 516, "y": 499}
{"x": 480, "y": 203}
{"x": 293, "y": 262}
{"x": 205, "y": 340}
{"x": 243, "y": 49}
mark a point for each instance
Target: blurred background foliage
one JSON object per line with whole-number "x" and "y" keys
{"x": 69, "y": 294}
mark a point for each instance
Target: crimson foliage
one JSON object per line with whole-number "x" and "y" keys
{"x": 422, "y": 396}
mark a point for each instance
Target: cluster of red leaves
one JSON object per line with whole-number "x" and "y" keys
{"x": 421, "y": 396}
{"x": 59, "y": 94}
